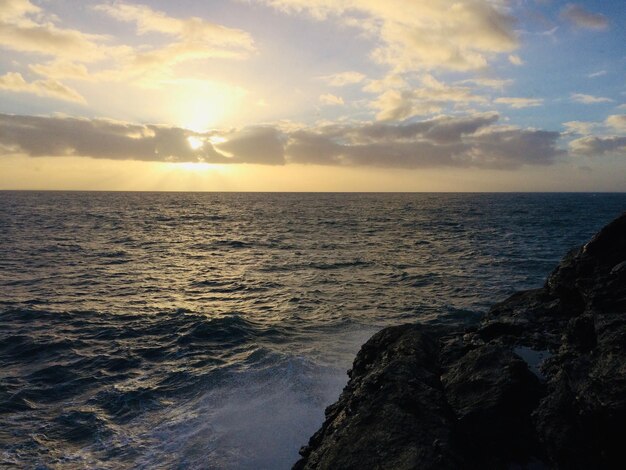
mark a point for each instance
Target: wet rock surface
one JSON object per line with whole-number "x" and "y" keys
{"x": 539, "y": 383}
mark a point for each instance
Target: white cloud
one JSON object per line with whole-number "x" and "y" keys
{"x": 192, "y": 39}
{"x": 390, "y": 81}
{"x": 606, "y": 143}
{"x": 24, "y": 28}
{"x": 394, "y": 105}
{"x": 73, "y": 54}
{"x": 588, "y": 99}
{"x": 580, "y": 127}
{"x": 495, "y": 83}
{"x": 599, "y": 73}
{"x": 412, "y": 35}
{"x": 329, "y": 99}
{"x": 11, "y": 10}
{"x": 516, "y": 60}
{"x": 617, "y": 122}
{"x": 62, "y": 70}
{"x": 613, "y": 123}
{"x": 197, "y": 38}
{"x": 582, "y": 18}
{"x": 343, "y": 78}
{"x": 429, "y": 98}
{"x": 14, "y": 82}
{"x": 518, "y": 103}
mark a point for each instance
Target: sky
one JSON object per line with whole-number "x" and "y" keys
{"x": 313, "y": 95}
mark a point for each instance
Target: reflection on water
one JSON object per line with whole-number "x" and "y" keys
{"x": 157, "y": 330}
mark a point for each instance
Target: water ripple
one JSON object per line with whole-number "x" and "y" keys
{"x": 154, "y": 330}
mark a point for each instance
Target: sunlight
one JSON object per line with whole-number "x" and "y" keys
{"x": 216, "y": 139}
{"x": 199, "y": 105}
{"x": 195, "y": 142}
{"x": 195, "y": 166}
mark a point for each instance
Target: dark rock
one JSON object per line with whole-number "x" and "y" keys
{"x": 393, "y": 412}
{"x": 492, "y": 385}
{"x": 539, "y": 383}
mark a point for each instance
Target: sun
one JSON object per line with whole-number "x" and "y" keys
{"x": 195, "y": 142}
{"x": 201, "y": 105}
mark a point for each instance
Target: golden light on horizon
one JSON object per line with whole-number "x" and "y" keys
{"x": 195, "y": 166}
{"x": 264, "y": 88}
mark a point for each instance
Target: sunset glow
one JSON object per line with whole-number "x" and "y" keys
{"x": 506, "y": 88}
{"x": 195, "y": 143}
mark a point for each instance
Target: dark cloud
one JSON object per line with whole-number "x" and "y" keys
{"x": 98, "y": 138}
{"x": 512, "y": 148}
{"x": 463, "y": 141}
{"x": 469, "y": 141}
{"x": 452, "y": 129}
{"x": 312, "y": 147}
{"x": 255, "y": 145}
{"x": 416, "y": 154}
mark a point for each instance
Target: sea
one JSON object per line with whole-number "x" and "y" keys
{"x": 152, "y": 330}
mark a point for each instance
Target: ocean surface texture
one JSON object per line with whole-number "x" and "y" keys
{"x": 210, "y": 330}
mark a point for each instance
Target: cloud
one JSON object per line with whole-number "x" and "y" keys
{"x": 457, "y": 142}
{"x": 98, "y": 138}
{"x": 580, "y": 127}
{"x": 597, "y": 146}
{"x": 14, "y": 82}
{"x": 495, "y": 83}
{"x": 189, "y": 39}
{"x": 258, "y": 144}
{"x": 60, "y": 69}
{"x": 24, "y": 28}
{"x": 197, "y": 38}
{"x": 617, "y": 122}
{"x": 518, "y": 103}
{"x": 329, "y": 99}
{"x": 613, "y": 123}
{"x": 589, "y": 99}
{"x": 582, "y": 18}
{"x": 390, "y": 81}
{"x": 343, "y": 78}
{"x": 431, "y": 97}
{"x": 451, "y": 35}
{"x": 516, "y": 60}
{"x": 394, "y": 105}
{"x": 16, "y": 9}
{"x": 469, "y": 141}
{"x": 599, "y": 73}
{"x": 72, "y": 54}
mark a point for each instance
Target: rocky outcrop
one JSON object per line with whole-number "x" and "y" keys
{"x": 539, "y": 383}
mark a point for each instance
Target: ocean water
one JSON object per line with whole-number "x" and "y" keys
{"x": 210, "y": 330}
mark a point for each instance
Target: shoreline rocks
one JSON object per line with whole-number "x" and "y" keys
{"x": 539, "y": 383}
